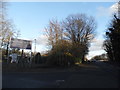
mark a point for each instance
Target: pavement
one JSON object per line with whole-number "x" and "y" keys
{"x": 95, "y": 75}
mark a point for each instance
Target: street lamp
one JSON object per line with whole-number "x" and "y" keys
{"x": 35, "y": 46}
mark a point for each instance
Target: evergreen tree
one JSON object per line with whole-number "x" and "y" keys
{"x": 113, "y": 37}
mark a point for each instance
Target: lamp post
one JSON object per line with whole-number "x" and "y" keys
{"x": 119, "y": 9}
{"x": 35, "y": 46}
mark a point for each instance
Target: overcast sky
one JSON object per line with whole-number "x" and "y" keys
{"x": 31, "y": 18}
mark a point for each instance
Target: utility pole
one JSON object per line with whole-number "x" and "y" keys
{"x": 35, "y": 46}
{"x": 34, "y": 50}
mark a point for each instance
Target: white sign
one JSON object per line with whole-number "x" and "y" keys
{"x": 21, "y": 44}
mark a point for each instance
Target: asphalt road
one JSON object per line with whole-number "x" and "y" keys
{"x": 0, "y": 74}
{"x": 98, "y": 75}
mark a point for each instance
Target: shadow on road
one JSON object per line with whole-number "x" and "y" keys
{"x": 88, "y": 75}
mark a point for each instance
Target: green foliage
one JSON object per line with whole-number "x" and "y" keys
{"x": 78, "y": 60}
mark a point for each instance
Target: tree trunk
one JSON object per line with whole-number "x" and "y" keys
{"x": 83, "y": 59}
{"x": 7, "y": 49}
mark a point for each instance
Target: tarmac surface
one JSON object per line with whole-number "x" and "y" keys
{"x": 94, "y": 75}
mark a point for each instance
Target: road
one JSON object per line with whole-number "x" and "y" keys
{"x": 96, "y": 75}
{"x": 0, "y": 74}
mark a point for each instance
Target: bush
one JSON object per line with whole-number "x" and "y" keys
{"x": 60, "y": 59}
{"x": 44, "y": 59}
{"x": 38, "y": 59}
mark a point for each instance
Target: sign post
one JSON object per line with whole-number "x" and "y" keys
{"x": 21, "y": 44}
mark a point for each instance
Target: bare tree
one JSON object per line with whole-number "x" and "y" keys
{"x": 79, "y": 30}
{"x": 72, "y": 35}
{"x": 54, "y": 32}
{"x": 7, "y": 29}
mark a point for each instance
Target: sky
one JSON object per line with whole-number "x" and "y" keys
{"x": 32, "y": 17}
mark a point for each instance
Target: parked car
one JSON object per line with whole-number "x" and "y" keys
{"x": 93, "y": 60}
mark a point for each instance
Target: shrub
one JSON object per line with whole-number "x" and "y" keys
{"x": 60, "y": 59}
{"x": 38, "y": 59}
